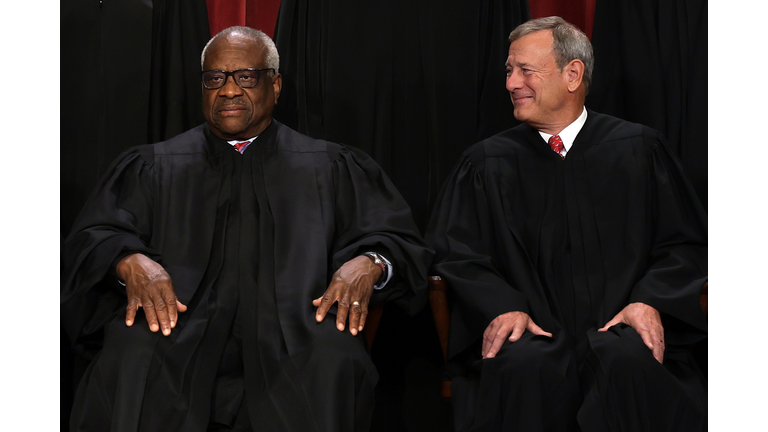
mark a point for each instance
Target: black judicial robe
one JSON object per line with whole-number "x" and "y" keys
{"x": 570, "y": 241}
{"x": 254, "y": 236}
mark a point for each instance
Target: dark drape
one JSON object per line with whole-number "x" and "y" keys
{"x": 129, "y": 75}
{"x": 651, "y": 68}
{"x": 179, "y": 33}
{"x": 411, "y": 83}
{"x": 106, "y": 50}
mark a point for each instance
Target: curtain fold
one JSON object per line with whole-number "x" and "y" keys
{"x": 579, "y": 13}
{"x": 179, "y": 33}
{"x": 651, "y": 68}
{"x": 411, "y": 84}
{"x": 258, "y": 14}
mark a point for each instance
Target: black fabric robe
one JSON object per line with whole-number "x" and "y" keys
{"x": 254, "y": 236}
{"x": 570, "y": 242}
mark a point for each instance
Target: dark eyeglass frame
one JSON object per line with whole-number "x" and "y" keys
{"x": 233, "y": 74}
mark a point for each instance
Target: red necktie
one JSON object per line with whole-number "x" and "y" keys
{"x": 241, "y": 146}
{"x": 557, "y": 145}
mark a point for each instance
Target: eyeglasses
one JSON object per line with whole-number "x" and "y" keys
{"x": 245, "y": 78}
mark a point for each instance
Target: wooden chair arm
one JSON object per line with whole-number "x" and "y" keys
{"x": 438, "y": 301}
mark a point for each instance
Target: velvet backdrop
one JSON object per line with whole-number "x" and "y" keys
{"x": 130, "y": 76}
{"x": 651, "y": 68}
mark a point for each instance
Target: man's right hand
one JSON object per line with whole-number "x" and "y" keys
{"x": 500, "y": 328}
{"x": 149, "y": 286}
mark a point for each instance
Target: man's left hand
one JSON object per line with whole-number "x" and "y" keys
{"x": 646, "y": 321}
{"x": 351, "y": 287}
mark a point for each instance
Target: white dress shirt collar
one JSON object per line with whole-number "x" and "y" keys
{"x": 568, "y": 135}
{"x": 233, "y": 142}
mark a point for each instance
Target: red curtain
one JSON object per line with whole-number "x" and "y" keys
{"x": 580, "y": 13}
{"x": 258, "y": 14}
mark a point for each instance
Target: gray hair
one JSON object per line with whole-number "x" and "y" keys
{"x": 569, "y": 43}
{"x": 273, "y": 59}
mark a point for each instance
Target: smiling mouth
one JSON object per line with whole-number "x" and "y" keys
{"x": 519, "y": 99}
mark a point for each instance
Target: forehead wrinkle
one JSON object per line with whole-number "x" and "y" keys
{"x": 520, "y": 64}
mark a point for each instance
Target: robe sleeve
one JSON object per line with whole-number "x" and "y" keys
{"x": 677, "y": 267}
{"x": 114, "y": 222}
{"x": 462, "y": 232}
{"x": 372, "y": 216}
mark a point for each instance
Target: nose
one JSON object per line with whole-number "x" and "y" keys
{"x": 514, "y": 81}
{"x": 230, "y": 89}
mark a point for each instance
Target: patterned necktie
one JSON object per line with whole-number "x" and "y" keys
{"x": 241, "y": 146}
{"x": 557, "y": 145}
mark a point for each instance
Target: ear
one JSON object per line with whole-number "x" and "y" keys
{"x": 574, "y": 74}
{"x": 277, "y": 85}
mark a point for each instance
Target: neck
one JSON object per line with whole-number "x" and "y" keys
{"x": 564, "y": 118}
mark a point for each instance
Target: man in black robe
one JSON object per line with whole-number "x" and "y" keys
{"x": 195, "y": 268}
{"x": 575, "y": 267}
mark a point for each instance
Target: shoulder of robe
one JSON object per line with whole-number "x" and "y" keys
{"x": 189, "y": 142}
{"x": 289, "y": 140}
{"x": 607, "y": 128}
{"x": 503, "y": 144}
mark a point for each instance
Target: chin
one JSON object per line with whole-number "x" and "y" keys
{"x": 519, "y": 116}
{"x": 231, "y": 129}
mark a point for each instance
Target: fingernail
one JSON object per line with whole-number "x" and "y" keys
{"x": 340, "y": 326}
